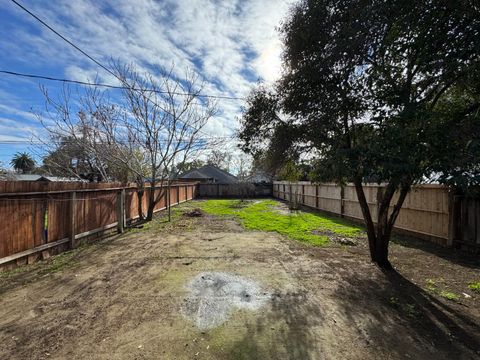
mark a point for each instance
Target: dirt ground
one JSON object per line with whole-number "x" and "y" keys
{"x": 124, "y": 298}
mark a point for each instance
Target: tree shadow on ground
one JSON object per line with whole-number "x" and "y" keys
{"x": 406, "y": 319}
{"x": 455, "y": 256}
{"x": 282, "y": 332}
{"x": 448, "y": 253}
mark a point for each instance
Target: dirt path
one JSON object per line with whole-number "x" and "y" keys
{"x": 125, "y": 299}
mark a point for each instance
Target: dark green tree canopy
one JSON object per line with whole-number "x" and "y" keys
{"x": 385, "y": 91}
{"x": 362, "y": 86}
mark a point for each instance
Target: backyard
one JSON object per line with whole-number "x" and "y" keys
{"x": 231, "y": 279}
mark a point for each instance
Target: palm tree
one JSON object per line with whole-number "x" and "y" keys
{"x": 23, "y": 161}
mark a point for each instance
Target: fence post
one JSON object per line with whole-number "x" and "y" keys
{"x": 73, "y": 198}
{"x": 316, "y": 196}
{"x": 120, "y": 211}
{"x": 342, "y": 201}
{"x": 303, "y": 194}
{"x": 186, "y": 192}
{"x": 178, "y": 194}
{"x": 454, "y": 218}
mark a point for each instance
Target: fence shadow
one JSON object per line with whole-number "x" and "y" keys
{"x": 448, "y": 253}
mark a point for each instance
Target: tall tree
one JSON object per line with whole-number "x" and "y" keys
{"x": 187, "y": 166}
{"x": 364, "y": 93}
{"x": 221, "y": 159}
{"x": 23, "y": 162}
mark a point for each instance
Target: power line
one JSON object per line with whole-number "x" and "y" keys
{"x": 84, "y": 52}
{"x": 84, "y": 83}
{"x": 63, "y": 38}
{"x": 96, "y": 62}
{"x": 37, "y": 142}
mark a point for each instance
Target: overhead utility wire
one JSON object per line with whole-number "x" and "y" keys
{"x": 37, "y": 142}
{"x": 64, "y": 38}
{"x": 95, "y": 60}
{"x": 84, "y": 83}
{"x": 80, "y": 50}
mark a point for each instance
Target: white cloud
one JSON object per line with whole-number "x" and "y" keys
{"x": 231, "y": 43}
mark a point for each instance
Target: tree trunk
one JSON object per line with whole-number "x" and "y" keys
{"x": 381, "y": 252}
{"x": 151, "y": 201}
{"x": 379, "y": 235}
{"x": 140, "y": 203}
{"x": 367, "y": 216}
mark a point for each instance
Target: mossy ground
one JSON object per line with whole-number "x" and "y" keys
{"x": 299, "y": 225}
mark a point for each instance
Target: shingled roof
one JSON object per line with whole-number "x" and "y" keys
{"x": 209, "y": 173}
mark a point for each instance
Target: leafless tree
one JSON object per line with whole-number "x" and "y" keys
{"x": 156, "y": 124}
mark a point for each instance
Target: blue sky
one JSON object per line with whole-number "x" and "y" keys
{"x": 232, "y": 44}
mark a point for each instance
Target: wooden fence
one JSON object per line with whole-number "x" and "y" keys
{"x": 38, "y": 216}
{"x": 465, "y": 227}
{"x": 235, "y": 190}
{"x": 426, "y": 212}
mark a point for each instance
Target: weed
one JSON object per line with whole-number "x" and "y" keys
{"x": 393, "y": 301}
{"x": 411, "y": 310}
{"x": 431, "y": 285}
{"x": 475, "y": 286}
{"x": 408, "y": 309}
{"x": 449, "y": 295}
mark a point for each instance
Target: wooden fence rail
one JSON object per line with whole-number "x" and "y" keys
{"x": 38, "y": 216}
{"x": 429, "y": 211}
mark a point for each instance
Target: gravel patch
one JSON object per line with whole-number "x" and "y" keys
{"x": 214, "y": 295}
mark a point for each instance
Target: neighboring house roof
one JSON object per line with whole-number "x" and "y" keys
{"x": 34, "y": 177}
{"x": 209, "y": 172}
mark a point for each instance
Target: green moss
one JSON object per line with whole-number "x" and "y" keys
{"x": 261, "y": 215}
{"x": 475, "y": 286}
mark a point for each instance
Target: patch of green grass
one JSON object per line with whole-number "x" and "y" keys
{"x": 60, "y": 262}
{"x": 9, "y": 273}
{"x": 475, "y": 286}
{"x": 160, "y": 222}
{"x": 29, "y": 273}
{"x": 262, "y": 215}
{"x": 54, "y": 264}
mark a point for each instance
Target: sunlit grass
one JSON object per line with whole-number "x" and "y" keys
{"x": 298, "y": 225}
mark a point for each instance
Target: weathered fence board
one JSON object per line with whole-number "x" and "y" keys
{"x": 36, "y": 214}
